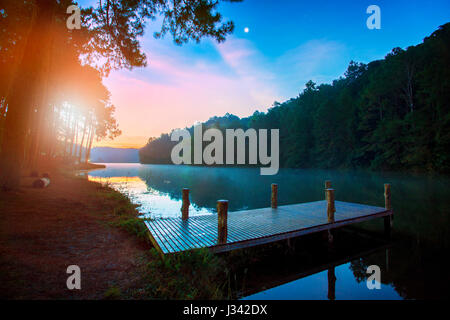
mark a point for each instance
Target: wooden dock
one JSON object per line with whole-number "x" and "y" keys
{"x": 241, "y": 229}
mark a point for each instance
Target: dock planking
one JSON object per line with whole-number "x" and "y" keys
{"x": 258, "y": 226}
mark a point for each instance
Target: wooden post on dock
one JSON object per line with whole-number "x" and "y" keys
{"x": 274, "y": 198}
{"x": 387, "y": 196}
{"x": 388, "y": 206}
{"x": 330, "y": 211}
{"x": 222, "y": 214}
{"x": 185, "y": 205}
{"x": 330, "y": 205}
{"x": 327, "y": 186}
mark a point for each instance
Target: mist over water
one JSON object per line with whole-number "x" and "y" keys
{"x": 412, "y": 267}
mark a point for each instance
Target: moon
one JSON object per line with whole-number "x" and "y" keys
{"x": 246, "y": 30}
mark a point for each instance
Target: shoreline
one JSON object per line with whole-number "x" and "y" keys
{"x": 414, "y": 172}
{"x": 74, "y": 221}
{"x": 68, "y": 223}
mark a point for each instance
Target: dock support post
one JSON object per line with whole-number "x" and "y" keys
{"x": 387, "y": 196}
{"x": 327, "y": 186}
{"x": 274, "y": 198}
{"x": 388, "y": 206}
{"x": 222, "y": 214}
{"x": 331, "y": 284}
{"x": 185, "y": 205}
{"x": 388, "y": 258}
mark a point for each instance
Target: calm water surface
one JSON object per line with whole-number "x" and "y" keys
{"x": 412, "y": 263}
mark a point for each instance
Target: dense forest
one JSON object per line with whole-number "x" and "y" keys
{"x": 390, "y": 114}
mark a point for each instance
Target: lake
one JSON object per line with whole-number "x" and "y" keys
{"x": 412, "y": 262}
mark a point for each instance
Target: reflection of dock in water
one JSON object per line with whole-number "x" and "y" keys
{"x": 243, "y": 229}
{"x": 328, "y": 266}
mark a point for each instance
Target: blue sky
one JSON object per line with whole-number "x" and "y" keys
{"x": 289, "y": 42}
{"x": 311, "y": 30}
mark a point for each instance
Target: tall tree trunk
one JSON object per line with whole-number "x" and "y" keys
{"x": 67, "y": 132}
{"x": 88, "y": 141}
{"x": 75, "y": 143}
{"x": 88, "y": 151}
{"x": 38, "y": 136}
{"x": 51, "y": 138}
{"x": 18, "y": 56}
{"x": 43, "y": 110}
{"x": 82, "y": 140}
{"x": 73, "y": 135}
{"x": 26, "y": 85}
{"x": 2, "y": 119}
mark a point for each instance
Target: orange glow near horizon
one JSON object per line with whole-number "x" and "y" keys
{"x": 115, "y": 180}
{"x": 178, "y": 89}
{"x": 122, "y": 142}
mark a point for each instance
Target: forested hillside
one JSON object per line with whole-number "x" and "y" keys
{"x": 391, "y": 114}
{"x": 114, "y": 155}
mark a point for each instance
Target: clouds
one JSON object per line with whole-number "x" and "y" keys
{"x": 283, "y": 77}
{"x": 318, "y": 60}
{"x": 175, "y": 92}
{"x": 185, "y": 84}
{"x": 251, "y": 69}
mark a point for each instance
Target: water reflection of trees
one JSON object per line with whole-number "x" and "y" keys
{"x": 414, "y": 273}
{"x": 416, "y": 270}
{"x": 306, "y": 256}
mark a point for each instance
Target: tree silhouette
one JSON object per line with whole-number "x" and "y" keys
{"x": 108, "y": 39}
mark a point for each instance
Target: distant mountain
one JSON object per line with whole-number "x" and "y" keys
{"x": 107, "y": 154}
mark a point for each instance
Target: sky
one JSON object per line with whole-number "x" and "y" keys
{"x": 277, "y": 47}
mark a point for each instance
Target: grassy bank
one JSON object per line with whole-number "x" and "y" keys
{"x": 196, "y": 274}
{"x": 76, "y": 221}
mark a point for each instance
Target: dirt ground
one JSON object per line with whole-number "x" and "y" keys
{"x": 43, "y": 231}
